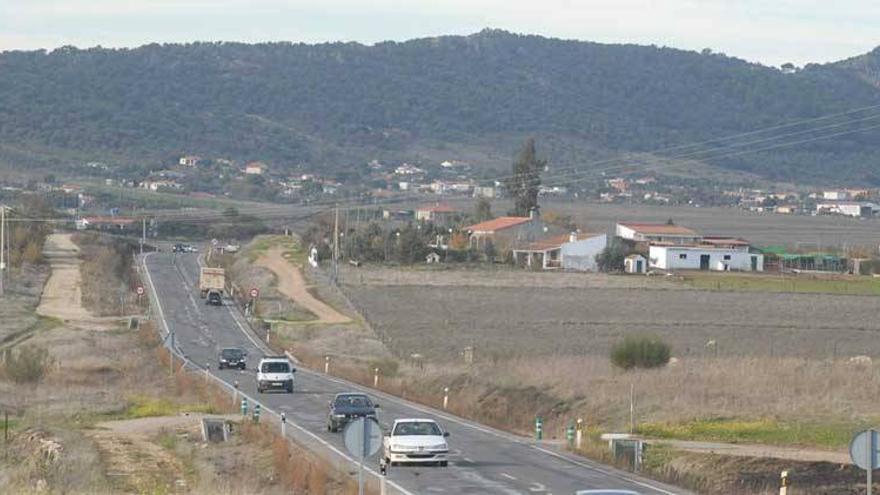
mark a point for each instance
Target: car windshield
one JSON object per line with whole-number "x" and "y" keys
{"x": 275, "y": 367}
{"x": 353, "y": 401}
{"x": 417, "y": 428}
{"x": 233, "y": 353}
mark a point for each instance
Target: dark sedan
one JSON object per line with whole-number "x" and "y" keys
{"x": 348, "y": 406}
{"x": 232, "y": 357}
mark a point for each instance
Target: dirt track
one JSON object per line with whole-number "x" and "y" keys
{"x": 292, "y": 284}
{"x": 62, "y": 295}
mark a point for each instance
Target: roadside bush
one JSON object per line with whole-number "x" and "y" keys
{"x": 640, "y": 352}
{"x": 387, "y": 367}
{"x": 27, "y": 364}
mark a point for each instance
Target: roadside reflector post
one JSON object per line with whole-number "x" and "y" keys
{"x": 268, "y": 333}
{"x": 375, "y": 377}
{"x": 207, "y": 372}
{"x": 283, "y": 425}
{"x": 783, "y": 483}
{"x": 539, "y": 428}
{"x": 579, "y": 434}
{"x": 244, "y": 406}
{"x": 569, "y": 435}
{"x": 235, "y": 393}
{"x": 326, "y": 365}
{"x": 445, "y": 397}
{"x": 257, "y": 412}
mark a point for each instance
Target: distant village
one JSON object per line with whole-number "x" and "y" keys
{"x": 530, "y": 242}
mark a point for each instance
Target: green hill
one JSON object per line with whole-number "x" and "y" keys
{"x": 475, "y": 97}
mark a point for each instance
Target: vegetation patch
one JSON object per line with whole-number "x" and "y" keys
{"x": 830, "y": 434}
{"x": 640, "y": 352}
{"x": 140, "y": 406}
{"x": 867, "y": 286}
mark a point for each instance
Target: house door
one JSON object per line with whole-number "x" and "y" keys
{"x": 704, "y": 261}
{"x": 754, "y": 263}
{"x": 639, "y": 266}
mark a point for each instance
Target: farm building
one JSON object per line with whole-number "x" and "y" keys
{"x": 847, "y": 208}
{"x": 505, "y": 232}
{"x": 573, "y": 251}
{"x": 635, "y": 263}
{"x": 657, "y": 232}
{"x": 712, "y": 253}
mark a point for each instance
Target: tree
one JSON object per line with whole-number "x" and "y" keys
{"x": 612, "y": 257}
{"x": 640, "y": 352}
{"x": 483, "y": 210}
{"x": 526, "y": 180}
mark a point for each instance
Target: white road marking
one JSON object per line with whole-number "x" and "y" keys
{"x": 508, "y": 476}
{"x": 537, "y": 488}
{"x": 468, "y": 459}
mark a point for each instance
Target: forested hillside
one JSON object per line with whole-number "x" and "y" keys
{"x": 334, "y": 105}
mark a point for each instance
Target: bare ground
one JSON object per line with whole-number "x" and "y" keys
{"x": 292, "y": 284}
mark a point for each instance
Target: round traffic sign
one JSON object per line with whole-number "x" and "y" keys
{"x": 140, "y": 290}
{"x": 864, "y": 449}
{"x": 363, "y": 437}
{"x": 255, "y": 292}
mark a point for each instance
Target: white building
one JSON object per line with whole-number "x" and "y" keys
{"x": 848, "y": 208}
{"x": 635, "y": 263}
{"x": 575, "y": 252}
{"x": 713, "y": 254}
{"x": 255, "y": 168}
{"x": 657, "y": 232}
{"x": 835, "y": 195}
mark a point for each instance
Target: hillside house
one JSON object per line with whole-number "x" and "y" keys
{"x": 189, "y": 160}
{"x": 158, "y": 184}
{"x": 635, "y": 263}
{"x": 255, "y": 168}
{"x": 574, "y": 251}
{"x": 439, "y": 213}
{"x": 504, "y": 233}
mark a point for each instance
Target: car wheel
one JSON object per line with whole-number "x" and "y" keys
{"x": 243, "y": 366}
{"x": 444, "y": 463}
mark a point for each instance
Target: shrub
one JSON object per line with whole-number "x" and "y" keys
{"x": 640, "y": 352}
{"x": 27, "y": 364}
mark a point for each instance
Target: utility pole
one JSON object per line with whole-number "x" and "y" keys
{"x": 336, "y": 247}
{"x": 143, "y": 233}
{"x": 2, "y": 250}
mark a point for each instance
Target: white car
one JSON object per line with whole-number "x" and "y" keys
{"x": 415, "y": 441}
{"x": 275, "y": 373}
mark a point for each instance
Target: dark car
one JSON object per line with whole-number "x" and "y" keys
{"x": 177, "y": 248}
{"x": 345, "y": 407}
{"x": 233, "y": 357}
{"x": 214, "y": 299}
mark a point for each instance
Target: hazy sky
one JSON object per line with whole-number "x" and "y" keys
{"x": 766, "y": 31}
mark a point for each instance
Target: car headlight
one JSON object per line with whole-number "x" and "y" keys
{"x": 339, "y": 416}
{"x": 439, "y": 446}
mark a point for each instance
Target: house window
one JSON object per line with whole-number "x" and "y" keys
{"x": 726, "y": 257}
{"x": 683, "y": 256}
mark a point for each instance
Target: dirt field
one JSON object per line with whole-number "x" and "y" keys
{"x": 62, "y": 295}
{"x": 507, "y": 322}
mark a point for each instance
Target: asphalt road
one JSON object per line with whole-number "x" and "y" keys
{"x": 482, "y": 461}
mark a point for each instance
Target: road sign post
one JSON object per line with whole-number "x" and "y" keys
{"x": 864, "y": 449}
{"x": 569, "y": 435}
{"x": 254, "y": 293}
{"x": 244, "y": 406}
{"x": 363, "y": 437}
{"x": 539, "y": 428}
{"x": 257, "y": 412}
{"x": 139, "y": 290}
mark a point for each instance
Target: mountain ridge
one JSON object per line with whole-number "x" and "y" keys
{"x": 331, "y": 105}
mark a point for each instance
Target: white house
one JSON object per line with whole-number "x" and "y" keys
{"x": 255, "y": 168}
{"x": 837, "y": 195}
{"x": 575, "y": 251}
{"x": 715, "y": 254}
{"x": 189, "y": 160}
{"x": 657, "y": 232}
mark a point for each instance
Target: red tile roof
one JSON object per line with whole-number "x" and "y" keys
{"x": 497, "y": 224}
{"x": 659, "y": 228}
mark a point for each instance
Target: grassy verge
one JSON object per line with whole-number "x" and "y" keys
{"x": 825, "y": 434}
{"x": 807, "y": 284}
